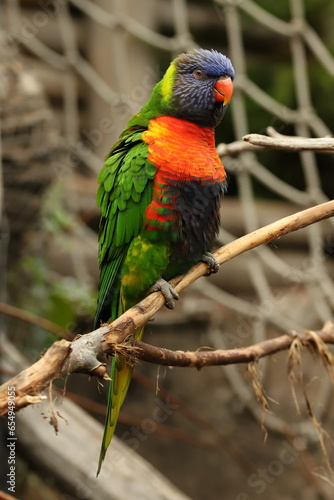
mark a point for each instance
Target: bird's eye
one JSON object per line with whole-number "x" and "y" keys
{"x": 198, "y": 73}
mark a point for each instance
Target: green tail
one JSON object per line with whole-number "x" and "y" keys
{"x": 121, "y": 374}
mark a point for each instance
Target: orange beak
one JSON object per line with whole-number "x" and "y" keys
{"x": 223, "y": 89}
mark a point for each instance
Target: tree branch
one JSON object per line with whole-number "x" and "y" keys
{"x": 236, "y": 147}
{"x": 221, "y": 357}
{"x": 87, "y": 353}
{"x": 29, "y": 317}
{"x": 275, "y": 140}
{"x": 289, "y": 143}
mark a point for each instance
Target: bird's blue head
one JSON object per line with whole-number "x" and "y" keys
{"x": 198, "y": 86}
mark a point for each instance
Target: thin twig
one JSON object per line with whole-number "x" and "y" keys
{"x": 290, "y": 143}
{"x": 235, "y": 148}
{"x": 222, "y": 357}
{"x": 29, "y": 317}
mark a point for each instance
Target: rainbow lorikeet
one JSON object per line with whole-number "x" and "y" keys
{"x": 160, "y": 190}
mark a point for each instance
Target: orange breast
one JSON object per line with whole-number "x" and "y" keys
{"x": 183, "y": 150}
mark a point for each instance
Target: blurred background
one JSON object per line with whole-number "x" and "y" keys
{"x": 72, "y": 73}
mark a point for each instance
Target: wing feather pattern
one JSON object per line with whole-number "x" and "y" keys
{"x": 126, "y": 183}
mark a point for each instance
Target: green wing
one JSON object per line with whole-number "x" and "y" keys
{"x": 126, "y": 183}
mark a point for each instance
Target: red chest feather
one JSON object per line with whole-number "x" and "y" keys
{"x": 182, "y": 150}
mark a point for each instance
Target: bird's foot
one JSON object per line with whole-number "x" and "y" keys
{"x": 212, "y": 263}
{"x": 167, "y": 291}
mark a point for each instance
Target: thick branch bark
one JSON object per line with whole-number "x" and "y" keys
{"x": 5, "y": 496}
{"x": 30, "y": 382}
{"x": 87, "y": 353}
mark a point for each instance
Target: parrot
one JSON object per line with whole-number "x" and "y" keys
{"x": 159, "y": 196}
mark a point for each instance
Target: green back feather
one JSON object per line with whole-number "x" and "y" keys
{"x": 125, "y": 191}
